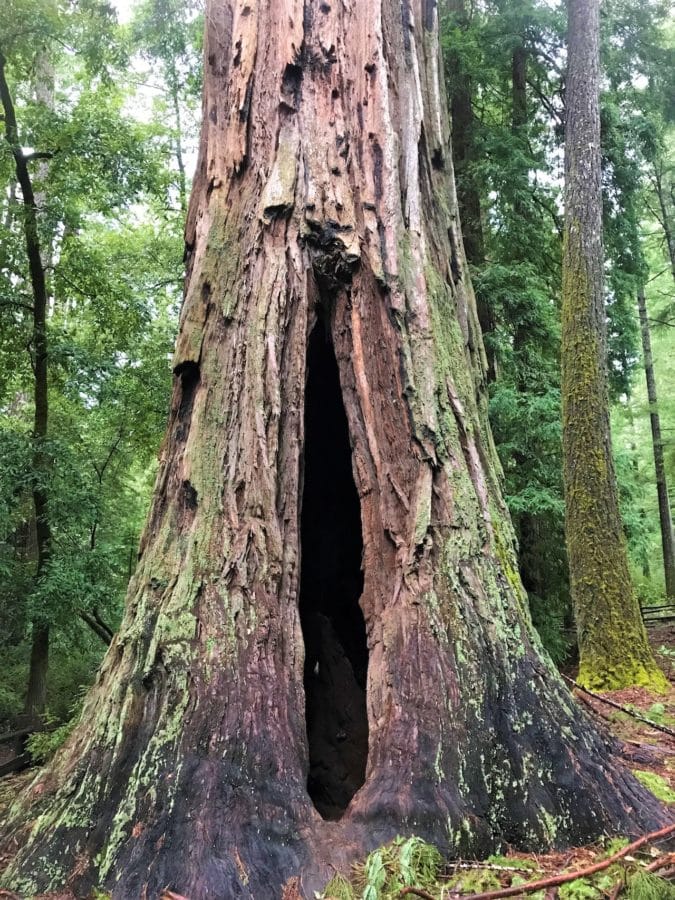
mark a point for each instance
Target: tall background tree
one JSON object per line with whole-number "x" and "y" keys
{"x": 517, "y": 176}
{"x": 613, "y": 647}
{"x": 88, "y": 307}
{"x": 327, "y": 291}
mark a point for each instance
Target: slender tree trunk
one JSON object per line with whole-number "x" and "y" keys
{"x": 326, "y": 641}
{"x": 36, "y": 692}
{"x": 665, "y": 214}
{"x": 657, "y": 444}
{"x": 464, "y": 158}
{"x": 180, "y": 161}
{"x": 613, "y": 647}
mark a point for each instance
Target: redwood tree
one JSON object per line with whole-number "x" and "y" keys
{"x": 326, "y": 641}
{"x": 613, "y": 648}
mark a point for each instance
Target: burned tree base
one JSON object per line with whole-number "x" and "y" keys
{"x": 207, "y": 819}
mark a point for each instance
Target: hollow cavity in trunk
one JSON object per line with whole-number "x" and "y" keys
{"x": 336, "y": 650}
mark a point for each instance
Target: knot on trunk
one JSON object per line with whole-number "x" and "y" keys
{"x": 334, "y": 253}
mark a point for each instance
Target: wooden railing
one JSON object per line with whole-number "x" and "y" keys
{"x": 13, "y": 743}
{"x": 657, "y": 615}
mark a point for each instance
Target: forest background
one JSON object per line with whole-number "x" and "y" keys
{"x": 110, "y": 110}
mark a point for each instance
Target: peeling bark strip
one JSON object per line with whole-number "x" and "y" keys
{"x": 317, "y": 201}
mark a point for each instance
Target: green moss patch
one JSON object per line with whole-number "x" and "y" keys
{"x": 657, "y": 785}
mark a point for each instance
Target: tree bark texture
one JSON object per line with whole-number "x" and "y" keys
{"x": 665, "y": 520}
{"x": 323, "y": 216}
{"x": 613, "y": 647}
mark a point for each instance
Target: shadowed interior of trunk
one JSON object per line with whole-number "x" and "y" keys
{"x": 336, "y": 651}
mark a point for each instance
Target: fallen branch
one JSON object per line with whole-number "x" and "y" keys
{"x": 666, "y": 860}
{"x": 489, "y": 866}
{"x": 623, "y": 709}
{"x": 565, "y": 877}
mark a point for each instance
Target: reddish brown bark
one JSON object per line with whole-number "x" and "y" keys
{"x": 327, "y": 295}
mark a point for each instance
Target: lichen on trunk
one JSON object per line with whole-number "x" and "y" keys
{"x": 613, "y": 647}
{"x": 323, "y": 210}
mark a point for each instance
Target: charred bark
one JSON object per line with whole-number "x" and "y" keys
{"x": 324, "y": 199}
{"x": 613, "y": 647}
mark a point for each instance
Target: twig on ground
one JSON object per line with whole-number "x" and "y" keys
{"x": 489, "y": 866}
{"x": 417, "y": 892}
{"x": 666, "y": 860}
{"x": 623, "y": 709}
{"x": 563, "y": 878}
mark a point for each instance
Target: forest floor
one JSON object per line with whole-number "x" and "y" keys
{"x": 646, "y": 750}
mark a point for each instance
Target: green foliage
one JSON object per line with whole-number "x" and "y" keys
{"x": 474, "y": 881}
{"x": 112, "y": 236}
{"x": 657, "y": 785}
{"x": 614, "y": 845}
{"x": 646, "y": 886}
{"x": 43, "y": 744}
{"x": 402, "y": 863}
{"x": 513, "y": 169}
{"x": 339, "y": 888}
{"x": 580, "y": 889}
{"x": 511, "y": 157}
{"x": 656, "y": 712}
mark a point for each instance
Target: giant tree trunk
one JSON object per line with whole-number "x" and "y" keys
{"x": 665, "y": 520}
{"x": 613, "y": 647}
{"x": 326, "y": 621}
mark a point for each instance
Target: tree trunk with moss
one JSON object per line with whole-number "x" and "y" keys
{"x": 326, "y": 641}
{"x": 613, "y": 646}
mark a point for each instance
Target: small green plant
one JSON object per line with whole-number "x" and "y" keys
{"x": 338, "y": 888}
{"x": 474, "y": 881}
{"x": 405, "y": 862}
{"x": 508, "y": 862}
{"x": 656, "y": 784}
{"x": 613, "y": 846}
{"x": 581, "y": 889}
{"x": 656, "y": 712}
{"x": 646, "y": 886}
{"x": 42, "y": 745}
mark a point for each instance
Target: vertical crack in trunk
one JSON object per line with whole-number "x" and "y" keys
{"x": 336, "y": 650}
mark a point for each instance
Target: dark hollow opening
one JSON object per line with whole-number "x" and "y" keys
{"x": 331, "y": 582}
